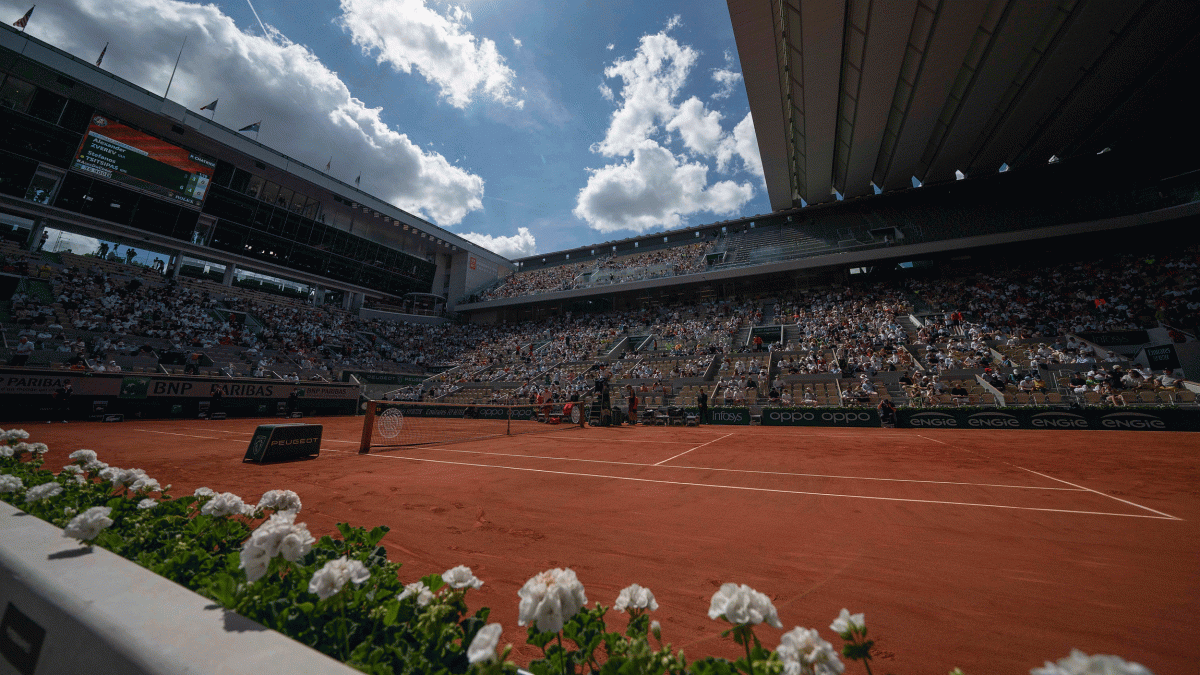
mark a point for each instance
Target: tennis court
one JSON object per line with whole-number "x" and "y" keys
{"x": 990, "y": 550}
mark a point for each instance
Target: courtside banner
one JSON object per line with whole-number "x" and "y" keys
{"x": 820, "y": 417}
{"x": 728, "y": 416}
{"x": 1124, "y": 418}
{"x": 466, "y": 412}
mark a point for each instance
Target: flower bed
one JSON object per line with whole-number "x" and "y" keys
{"x": 345, "y": 598}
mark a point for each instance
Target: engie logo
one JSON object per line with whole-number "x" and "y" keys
{"x": 993, "y": 420}
{"x": 1132, "y": 421}
{"x": 932, "y": 419}
{"x": 1059, "y": 420}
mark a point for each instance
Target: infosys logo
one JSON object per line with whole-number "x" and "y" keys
{"x": 1059, "y": 420}
{"x": 726, "y": 416}
{"x": 1132, "y": 421}
{"x": 993, "y": 420}
{"x": 932, "y": 419}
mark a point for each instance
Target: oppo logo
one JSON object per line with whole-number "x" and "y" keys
{"x": 932, "y": 419}
{"x": 792, "y": 416}
{"x": 492, "y": 412}
{"x": 1059, "y": 421}
{"x": 990, "y": 420}
{"x": 1132, "y": 421}
{"x": 846, "y": 417}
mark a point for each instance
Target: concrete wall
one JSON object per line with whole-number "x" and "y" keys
{"x": 74, "y": 609}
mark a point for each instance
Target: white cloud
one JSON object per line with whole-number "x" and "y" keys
{"x": 407, "y": 34}
{"x": 308, "y": 112}
{"x": 699, "y": 127}
{"x": 652, "y": 79}
{"x": 656, "y": 187}
{"x": 610, "y": 46}
{"x": 726, "y": 80}
{"x": 517, "y": 43}
{"x": 606, "y": 92}
{"x": 519, "y": 245}
{"x": 745, "y": 146}
{"x": 654, "y": 190}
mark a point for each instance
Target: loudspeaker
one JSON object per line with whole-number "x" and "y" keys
{"x": 276, "y": 442}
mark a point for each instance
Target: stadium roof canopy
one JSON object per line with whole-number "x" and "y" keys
{"x": 847, "y": 94}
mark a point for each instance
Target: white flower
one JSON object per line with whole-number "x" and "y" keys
{"x": 803, "y": 652}
{"x": 82, "y": 457}
{"x": 96, "y": 465}
{"x": 1079, "y": 663}
{"x": 122, "y": 477}
{"x": 280, "y": 500}
{"x": 14, "y": 435}
{"x": 742, "y": 604}
{"x": 6, "y": 451}
{"x": 73, "y": 469}
{"x": 656, "y": 628}
{"x": 460, "y": 577}
{"x": 333, "y": 576}
{"x": 549, "y": 599}
{"x": 10, "y": 483}
{"x": 226, "y": 504}
{"x": 204, "y": 492}
{"x": 88, "y": 524}
{"x": 147, "y": 503}
{"x": 32, "y": 448}
{"x": 635, "y": 597}
{"x": 418, "y": 590}
{"x": 279, "y": 535}
{"x": 43, "y": 491}
{"x": 483, "y": 646}
{"x": 145, "y": 484}
{"x": 846, "y": 622}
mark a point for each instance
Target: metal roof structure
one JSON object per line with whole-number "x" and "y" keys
{"x": 847, "y": 95}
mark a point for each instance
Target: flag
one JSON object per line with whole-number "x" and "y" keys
{"x": 102, "y": 52}
{"x": 358, "y": 180}
{"x": 211, "y": 106}
{"x": 20, "y": 23}
{"x": 251, "y": 127}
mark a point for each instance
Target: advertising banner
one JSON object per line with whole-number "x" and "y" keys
{"x": 1129, "y": 419}
{"x": 1116, "y": 338}
{"x": 820, "y": 417}
{"x": 383, "y": 378}
{"x": 728, "y": 416}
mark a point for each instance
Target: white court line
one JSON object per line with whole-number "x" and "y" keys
{"x": 245, "y": 433}
{"x": 932, "y": 439}
{"x": 607, "y": 440}
{"x": 168, "y": 433}
{"x": 751, "y": 471}
{"x": 1166, "y": 516}
{"x": 695, "y": 448}
{"x": 1123, "y": 501}
{"x": 790, "y": 492}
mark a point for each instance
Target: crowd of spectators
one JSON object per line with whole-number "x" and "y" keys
{"x": 672, "y": 261}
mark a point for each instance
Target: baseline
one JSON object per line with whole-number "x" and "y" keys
{"x": 774, "y": 490}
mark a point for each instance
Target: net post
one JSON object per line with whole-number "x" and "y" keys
{"x": 368, "y": 424}
{"x": 508, "y": 425}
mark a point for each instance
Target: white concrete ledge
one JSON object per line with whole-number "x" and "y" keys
{"x": 96, "y": 612}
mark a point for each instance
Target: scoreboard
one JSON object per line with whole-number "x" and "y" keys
{"x": 115, "y": 152}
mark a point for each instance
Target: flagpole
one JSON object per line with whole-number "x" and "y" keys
{"x": 176, "y": 66}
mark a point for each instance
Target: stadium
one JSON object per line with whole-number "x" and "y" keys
{"x": 949, "y": 380}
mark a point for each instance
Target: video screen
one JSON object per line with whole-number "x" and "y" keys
{"x": 118, "y": 153}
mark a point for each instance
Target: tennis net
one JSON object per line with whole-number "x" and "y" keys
{"x": 403, "y": 423}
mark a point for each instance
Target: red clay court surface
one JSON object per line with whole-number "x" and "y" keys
{"x": 989, "y": 550}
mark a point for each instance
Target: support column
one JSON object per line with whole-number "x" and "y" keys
{"x": 346, "y": 300}
{"x": 230, "y": 270}
{"x": 35, "y": 234}
{"x": 176, "y": 264}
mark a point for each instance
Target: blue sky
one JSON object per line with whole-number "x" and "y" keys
{"x": 528, "y": 126}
